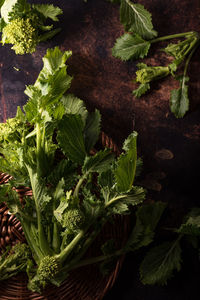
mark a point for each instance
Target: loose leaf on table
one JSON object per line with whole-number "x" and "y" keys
{"x": 191, "y": 226}
{"x": 160, "y": 262}
{"x": 179, "y": 100}
{"x": 136, "y": 19}
{"x": 126, "y": 164}
{"x": 130, "y": 47}
{"x": 141, "y": 90}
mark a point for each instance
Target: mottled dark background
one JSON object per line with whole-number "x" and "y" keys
{"x": 170, "y": 147}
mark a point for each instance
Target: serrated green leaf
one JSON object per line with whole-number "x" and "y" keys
{"x": 160, "y": 262}
{"x": 106, "y": 179}
{"x": 147, "y": 218}
{"x": 120, "y": 203}
{"x": 64, "y": 169}
{"x": 136, "y": 19}
{"x": 51, "y": 84}
{"x": 100, "y": 162}
{"x": 48, "y": 10}
{"x": 126, "y": 164}
{"x": 74, "y": 105}
{"x": 53, "y": 60}
{"x": 54, "y": 87}
{"x": 92, "y": 129}
{"x": 191, "y": 226}
{"x": 130, "y": 47}
{"x": 179, "y": 100}
{"x": 141, "y": 90}
{"x": 70, "y": 137}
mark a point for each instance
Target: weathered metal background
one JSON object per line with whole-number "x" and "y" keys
{"x": 170, "y": 147}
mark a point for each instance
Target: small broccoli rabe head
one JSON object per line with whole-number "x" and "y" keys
{"x": 73, "y": 220}
{"x": 47, "y": 270}
{"x": 22, "y": 34}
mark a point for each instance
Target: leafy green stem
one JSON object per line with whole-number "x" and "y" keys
{"x": 113, "y": 200}
{"x": 65, "y": 253}
{"x": 171, "y": 36}
{"x": 78, "y": 186}
{"x": 30, "y": 239}
{"x": 98, "y": 259}
{"x": 190, "y": 56}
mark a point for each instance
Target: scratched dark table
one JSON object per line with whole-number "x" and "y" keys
{"x": 89, "y": 30}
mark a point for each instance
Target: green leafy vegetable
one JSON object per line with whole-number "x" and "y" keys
{"x": 160, "y": 262}
{"x": 15, "y": 260}
{"x": 135, "y": 45}
{"x": 74, "y": 193}
{"x": 130, "y": 47}
{"x": 23, "y": 24}
{"x": 136, "y": 19}
{"x": 179, "y": 100}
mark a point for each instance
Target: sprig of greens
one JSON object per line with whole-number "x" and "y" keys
{"x": 136, "y": 44}
{"x": 75, "y": 193}
{"x": 24, "y": 25}
{"x": 163, "y": 260}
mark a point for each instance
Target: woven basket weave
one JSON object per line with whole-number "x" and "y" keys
{"x": 86, "y": 283}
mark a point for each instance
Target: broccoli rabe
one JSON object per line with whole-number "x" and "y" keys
{"x": 47, "y": 270}
{"x": 73, "y": 220}
{"x": 23, "y": 24}
{"x": 73, "y": 194}
{"x": 14, "y": 260}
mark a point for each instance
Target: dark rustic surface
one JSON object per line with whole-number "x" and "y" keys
{"x": 90, "y": 30}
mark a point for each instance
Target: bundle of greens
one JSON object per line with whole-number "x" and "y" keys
{"x": 23, "y": 24}
{"x": 135, "y": 44}
{"x": 47, "y": 148}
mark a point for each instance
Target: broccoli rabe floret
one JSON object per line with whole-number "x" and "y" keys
{"x": 47, "y": 270}
{"x": 14, "y": 260}
{"x": 24, "y": 25}
{"x": 22, "y": 34}
{"x": 73, "y": 219}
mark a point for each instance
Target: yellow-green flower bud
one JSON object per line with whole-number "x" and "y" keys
{"x": 148, "y": 74}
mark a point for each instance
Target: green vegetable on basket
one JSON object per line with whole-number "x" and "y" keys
{"x": 48, "y": 148}
{"x": 136, "y": 43}
{"x": 24, "y": 25}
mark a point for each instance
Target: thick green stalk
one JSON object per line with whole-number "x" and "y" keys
{"x": 87, "y": 243}
{"x": 95, "y": 260}
{"x": 41, "y": 234}
{"x": 78, "y": 186}
{"x": 171, "y": 36}
{"x": 196, "y": 45}
{"x": 31, "y": 241}
{"x": 66, "y": 252}
{"x": 56, "y": 242}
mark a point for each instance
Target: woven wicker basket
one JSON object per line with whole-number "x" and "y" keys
{"x": 86, "y": 283}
